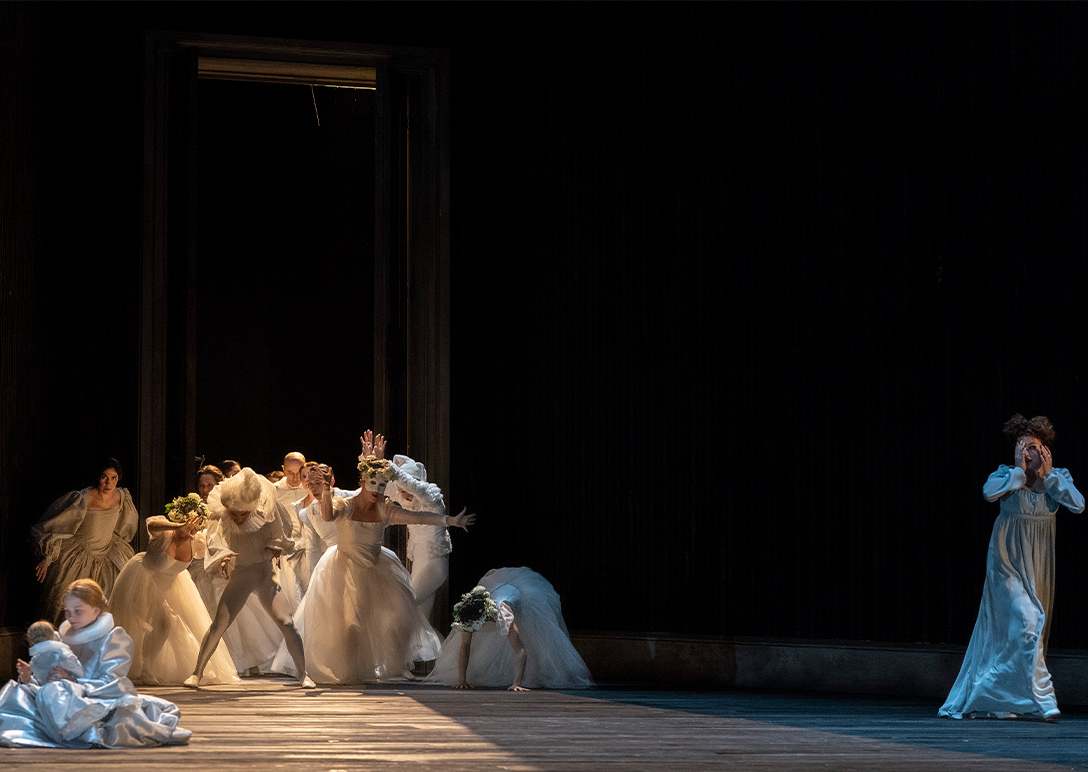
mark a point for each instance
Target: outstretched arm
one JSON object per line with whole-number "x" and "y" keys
{"x": 404, "y": 517}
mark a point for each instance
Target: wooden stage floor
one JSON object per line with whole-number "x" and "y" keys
{"x": 268, "y": 724}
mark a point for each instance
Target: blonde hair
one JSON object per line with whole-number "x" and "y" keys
{"x": 88, "y": 591}
{"x": 40, "y": 631}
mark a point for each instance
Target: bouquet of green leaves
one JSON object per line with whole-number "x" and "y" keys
{"x": 372, "y": 466}
{"x": 474, "y": 608}
{"x": 184, "y": 507}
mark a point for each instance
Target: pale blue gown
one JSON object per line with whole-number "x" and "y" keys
{"x": 101, "y": 708}
{"x": 1004, "y": 673}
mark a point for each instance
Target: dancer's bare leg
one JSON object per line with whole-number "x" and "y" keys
{"x": 279, "y": 608}
{"x": 242, "y": 582}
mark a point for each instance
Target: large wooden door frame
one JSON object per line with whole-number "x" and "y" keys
{"x": 411, "y": 240}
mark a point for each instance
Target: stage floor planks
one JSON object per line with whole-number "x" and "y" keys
{"x": 268, "y": 724}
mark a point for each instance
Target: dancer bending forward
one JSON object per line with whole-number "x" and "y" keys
{"x": 251, "y": 523}
{"x": 509, "y": 631}
{"x": 359, "y": 617}
{"x": 156, "y": 601}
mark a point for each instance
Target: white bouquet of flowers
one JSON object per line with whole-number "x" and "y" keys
{"x": 474, "y": 608}
{"x": 184, "y": 507}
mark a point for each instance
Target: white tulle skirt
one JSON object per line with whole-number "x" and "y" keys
{"x": 359, "y": 623}
{"x": 167, "y": 620}
{"x": 551, "y": 659}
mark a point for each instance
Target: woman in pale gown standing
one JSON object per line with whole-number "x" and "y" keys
{"x": 85, "y": 534}
{"x": 1004, "y": 673}
{"x": 358, "y": 619}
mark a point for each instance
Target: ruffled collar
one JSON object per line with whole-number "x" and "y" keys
{"x": 91, "y": 632}
{"x": 252, "y": 524}
{"x": 43, "y": 646}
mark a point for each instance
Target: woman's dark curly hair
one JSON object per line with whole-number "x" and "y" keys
{"x": 1038, "y": 427}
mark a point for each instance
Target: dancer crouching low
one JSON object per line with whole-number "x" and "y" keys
{"x": 248, "y": 535}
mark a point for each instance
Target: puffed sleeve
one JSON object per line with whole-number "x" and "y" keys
{"x": 216, "y": 549}
{"x": 161, "y": 530}
{"x": 1005, "y": 479}
{"x": 109, "y": 677}
{"x": 426, "y": 497}
{"x": 59, "y": 522}
{"x": 1060, "y": 488}
{"x": 282, "y": 528}
{"x": 393, "y": 515}
{"x": 128, "y": 520}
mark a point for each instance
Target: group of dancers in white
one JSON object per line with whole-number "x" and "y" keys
{"x": 257, "y": 578}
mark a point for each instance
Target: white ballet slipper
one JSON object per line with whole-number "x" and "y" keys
{"x": 193, "y": 682}
{"x": 306, "y": 682}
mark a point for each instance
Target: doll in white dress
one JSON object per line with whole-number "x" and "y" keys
{"x": 158, "y": 604}
{"x": 509, "y": 632}
{"x": 48, "y": 651}
{"x": 99, "y": 708}
{"x": 359, "y": 617}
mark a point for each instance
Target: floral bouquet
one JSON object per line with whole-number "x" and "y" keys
{"x": 372, "y": 466}
{"x": 184, "y": 507}
{"x": 474, "y": 608}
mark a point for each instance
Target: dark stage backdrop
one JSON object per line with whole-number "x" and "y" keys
{"x": 742, "y": 293}
{"x": 285, "y": 334}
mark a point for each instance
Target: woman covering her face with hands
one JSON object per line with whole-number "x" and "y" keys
{"x": 1004, "y": 673}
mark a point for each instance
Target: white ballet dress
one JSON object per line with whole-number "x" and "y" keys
{"x": 358, "y": 619}
{"x": 157, "y": 603}
{"x": 528, "y": 599}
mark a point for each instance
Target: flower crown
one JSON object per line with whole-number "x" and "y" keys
{"x": 372, "y": 466}
{"x": 184, "y": 507}
{"x": 474, "y": 608}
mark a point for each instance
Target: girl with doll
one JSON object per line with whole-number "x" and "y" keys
{"x": 99, "y": 708}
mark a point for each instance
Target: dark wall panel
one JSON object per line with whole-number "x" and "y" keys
{"x": 742, "y": 293}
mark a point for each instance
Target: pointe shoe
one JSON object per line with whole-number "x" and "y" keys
{"x": 306, "y": 682}
{"x": 193, "y": 681}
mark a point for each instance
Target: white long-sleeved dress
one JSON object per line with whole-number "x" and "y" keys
{"x": 1004, "y": 673}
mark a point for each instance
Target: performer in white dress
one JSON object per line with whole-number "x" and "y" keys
{"x": 100, "y": 708}
{"x": 85, "y": 535}
{"x": 429, "y": 546}
{"x": 509, "y": 632}
{"x": 157, "y": 603}
{"x": 318, "y": 534}
{"x": 1004, "y": 673}
{"x": 253, "y": 526}
{"x": 289, "y": 489}
{"x": 359, "y": 618}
